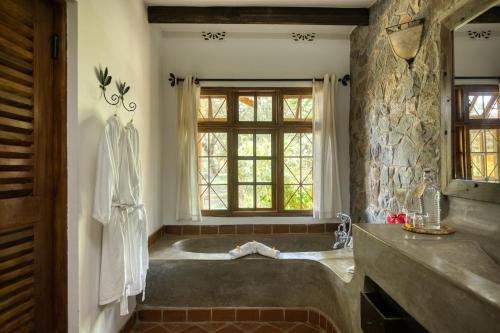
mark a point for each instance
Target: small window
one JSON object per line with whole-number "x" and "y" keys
{"x": 255, "y": 156}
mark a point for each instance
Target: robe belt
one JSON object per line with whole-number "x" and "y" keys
{"x": 128, "y": 207}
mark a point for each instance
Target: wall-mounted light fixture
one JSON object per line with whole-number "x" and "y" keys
{"x": 405, "y": 39}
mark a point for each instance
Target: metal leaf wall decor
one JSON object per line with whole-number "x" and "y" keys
{"x": 484, "y": 34}
{"x": 307, "y": 37}
{"x": 105, "y": 80}
{"x": 213, "y": 35}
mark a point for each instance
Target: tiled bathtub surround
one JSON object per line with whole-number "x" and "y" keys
{"x": 234, "y": 320}
{"x": 240, "y": 229}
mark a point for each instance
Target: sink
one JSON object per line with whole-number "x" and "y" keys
{"x": 464, "y": 254}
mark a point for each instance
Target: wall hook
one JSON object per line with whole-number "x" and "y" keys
{"x": 105, "y": 80}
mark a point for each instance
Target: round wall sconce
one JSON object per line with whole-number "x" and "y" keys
{"x": 405, "y": 39}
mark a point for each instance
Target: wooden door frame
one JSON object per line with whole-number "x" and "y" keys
{"x": 60, "y": 208}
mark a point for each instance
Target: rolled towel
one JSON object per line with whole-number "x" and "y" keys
{"x": 253, "y": 247}
{"x": 350, "y": 270}
{"x": 267, "y": 251}
{"x": 241, "y": 251}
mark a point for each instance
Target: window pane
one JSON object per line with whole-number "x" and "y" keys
{"x": 483, "y": 105}
{"x": 306, "y": 144}
{"x": 307, "y": 197}
{"x": 307, "y": 168}
{"x": 212, "y": 170}
{"x": 264, "y": 171}
{"x": 246, "y": 106}
{"x": 292, "y": 144}
{"x": 212, "y": 108}
{"x": 203, "y": 170}
{"x": 218, "y": 170}
{"x": 218, "y": 197}
{"x": 264, "y": 108}
{"x": 203, "y": 111}
{"x": 264, "y": 196}
{"x": 291, "y": 170}
{"x": 263, "y": 144}
{"x": 297, "y": 108}
{"x": 245, "y": 144}
{"x": 245, "y": 196}
{"x": 298, "y": 171}
{"x": 292, "y": 197}
{"x": 491, "y": 140}
{"x": 245, "y": 171}
{"x": 306, "y": 108}
{"x": 219, "y": 107}
{"x": 204, "y": 198}
{"x": 290, "y": 108}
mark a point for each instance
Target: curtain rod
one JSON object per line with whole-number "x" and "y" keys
{"x": 175, "y": 80}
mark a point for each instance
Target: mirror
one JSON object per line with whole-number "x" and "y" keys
{"x": 476, "y": 118}
{"x": 471, "y": 119}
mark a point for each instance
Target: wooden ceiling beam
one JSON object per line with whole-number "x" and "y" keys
{"x": 259, "y": 15}
{"x": 490, "y": 16}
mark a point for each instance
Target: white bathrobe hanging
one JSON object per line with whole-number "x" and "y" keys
{"x": 108, "y": 211}
{"x": 136, "y": 242}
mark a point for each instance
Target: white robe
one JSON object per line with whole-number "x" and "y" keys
{"x": 107, "y": 210}
{"x": 131, "y": 196}
{"x": 118, "y": 206}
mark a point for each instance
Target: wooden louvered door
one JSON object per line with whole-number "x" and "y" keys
{"x": 27, "y": 170}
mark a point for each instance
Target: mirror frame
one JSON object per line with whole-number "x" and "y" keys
{"x": 468, "y": 189}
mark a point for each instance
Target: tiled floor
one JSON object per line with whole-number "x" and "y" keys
{"x": 229, "y": 327}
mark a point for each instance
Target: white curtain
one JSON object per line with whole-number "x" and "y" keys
{"x": 188, "y": 200}
{"x": 326, "y": 179}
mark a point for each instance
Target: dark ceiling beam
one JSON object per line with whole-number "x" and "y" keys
{"x": 490, "y": 16}
{"x": 259, "y": 15}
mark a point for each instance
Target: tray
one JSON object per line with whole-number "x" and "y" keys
{"x": 444, "y": 230}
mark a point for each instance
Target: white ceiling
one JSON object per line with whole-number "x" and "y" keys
{"x": 266, "y": 3}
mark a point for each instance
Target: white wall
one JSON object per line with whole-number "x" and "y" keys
{"x": 477, "y": 57}
{"x": 270, "y": 54}
{"x": 112, "y": 33}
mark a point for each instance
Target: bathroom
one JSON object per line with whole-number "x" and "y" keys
{"x": 288, "y": 166}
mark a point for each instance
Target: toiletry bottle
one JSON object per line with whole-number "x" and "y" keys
{"x": 431, "y": 201}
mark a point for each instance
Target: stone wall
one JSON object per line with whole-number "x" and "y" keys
{"x": 395, "y": 111}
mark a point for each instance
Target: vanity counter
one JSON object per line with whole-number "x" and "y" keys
{"x": 447, "y": 283}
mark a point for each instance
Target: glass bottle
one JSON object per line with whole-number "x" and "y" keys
{"x": 431, "y": 201}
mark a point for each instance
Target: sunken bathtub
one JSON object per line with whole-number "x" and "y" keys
{"x": 196, "y": 271}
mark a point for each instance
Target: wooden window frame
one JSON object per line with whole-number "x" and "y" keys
{"x": 462, "y": 124}
{"x": 277, "y": 127}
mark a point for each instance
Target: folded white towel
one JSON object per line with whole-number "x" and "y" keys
{"x": 253, "y": 247}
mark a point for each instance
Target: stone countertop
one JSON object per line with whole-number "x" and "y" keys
{"x": 339, "y": 261}
{"x": 458, "y": 258}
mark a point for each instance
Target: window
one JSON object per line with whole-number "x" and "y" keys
{"x": 477, "y": 133}
{"x": 255, "y": 151}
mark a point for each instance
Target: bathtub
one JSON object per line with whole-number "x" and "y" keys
{"x": 282, "y": 242}
{"x": 196, "y": 271}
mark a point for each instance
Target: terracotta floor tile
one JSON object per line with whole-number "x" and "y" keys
{"x": 248, "y": 327}
{"x": 284, "y": 326}
{"x": 267, "y": 329}
{"x": 177, "y": 327}
{"x": 303, "y": 328}
{"x": 211, "y": 327}
{"x": 142, "y": 327}
{"x": 230, "y": 329}
{"x": 157, "y": 329}
{"x": 194, "y": 329}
